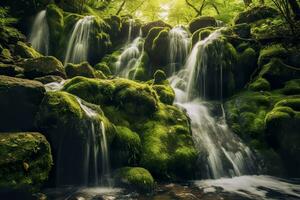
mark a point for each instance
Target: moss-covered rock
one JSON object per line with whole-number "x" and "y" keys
{"x": 64, "y": 121}
{"x": 126, "y": 148}
{"x": 49, "y": 79}
{"x": 132, "y": 97}
{"x": 55, "y": 21}
{"x": 277, "y": 72}
{"x": 272, "y": 51}
{"x": 157, "y": 47}
{"x": 282, "y": 132}
{"x": 254, "y": 14}
{"x": 43, "y": 66}
{"x": 82, "y": 69}
{"x": 260, "y": 84}
{"x": 26, "y": 160}
{"x": 292, "y": 87}
{"x": 242, "y": 30}
{"x": 201, "y": 34}
{"x": 202, "y": 22}
{"x": 136, "y": 107}
{"x": 159, "y": 24}
{"x": 19, "y": 103}
{"x": 10, "y": 69}
{"x": 24, "y": 51}
{"x": 135, "y": 178}
{"x": 102, "y": 66}
{"x": 165, "y": 92}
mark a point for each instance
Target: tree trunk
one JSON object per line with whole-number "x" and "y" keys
{"x": 295, "y": 8}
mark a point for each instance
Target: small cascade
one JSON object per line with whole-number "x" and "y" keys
{"x": 39, "y": 36}
{"x": 55, "y": 86}
{"x": 78, "y": 45}
{"x": 92, "y": 149}
{"x": 222, "y": 153}
{"x": 179, "y": 43}
{"x": 130, "y": 58}
{"x": 130, "y": 27}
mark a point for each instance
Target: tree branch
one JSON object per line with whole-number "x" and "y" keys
{"x": 193, "y": 7}
{"x": 121, "y": 7}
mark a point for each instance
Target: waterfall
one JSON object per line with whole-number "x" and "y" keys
{"x": 130, "y": 57}
{"x": 92, "y": 150}
{"x": 78, "y": 45}
{"x": 131, "y": 21}
{"x": 39, "y": 36}
{"x": 222, "y": 153}
{"x": 179, "y": 44}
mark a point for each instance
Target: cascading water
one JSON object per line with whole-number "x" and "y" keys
{"x": 179, "y": 44}
{"x": 92, "y": 150}
{"x": 78, "y": 45}
{"x": 39, "y": 36}
{"x": 222, "y": 152}
{"x": 131, "y": 57}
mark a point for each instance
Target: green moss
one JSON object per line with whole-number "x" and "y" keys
{"x": 272, "y": 51}
{"x": 136, "y": 107}
{"x": 282, "y": 132}
{"x": 25, "y": 51}
{"x": 260, "y": 84}
{"x": 146, "y": 29}
{"x": 82, "y": 69}
{"x": 43, "y": 66}
{"x": 159, "y": 77}
{"x": 165, "y": 92}
{"x": 26, "y": 160}
{"x": 126, "y": 147}
{"x": 277, "y": 73}
{"x": 246, "y": 65}
{"x": 103, "y": 68}
{"x": 183, "y": 161}
{"x": 136, "y": 178}
{"x": 292, "y": 87}
{"x": 55, "y": 21}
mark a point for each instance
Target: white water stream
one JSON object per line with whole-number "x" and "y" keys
{"x": 39, "y": 36}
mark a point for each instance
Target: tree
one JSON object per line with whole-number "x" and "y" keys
{"x": 203, "y": 4}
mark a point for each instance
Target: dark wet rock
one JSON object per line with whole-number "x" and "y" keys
{"x": 19, "y": 102}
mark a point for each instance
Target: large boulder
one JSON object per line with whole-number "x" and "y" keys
{"x": 70, "y": 125}
{"x": 255, "y": 14}
{"x": 25, "y": 51}
{"x": 147, "y": 27}
{"x": 277, "y": 73}
{"x": 82, "y": 69}
{"x": 137, "y": 111}
{"x": 282, "y": 132}
{"x": 43, "y": 66}
{"x": 157, "y": 47}
{"x": 202, "y": 22}
{"x": 25, "y": 160}
{"x": 19, "y": 103}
